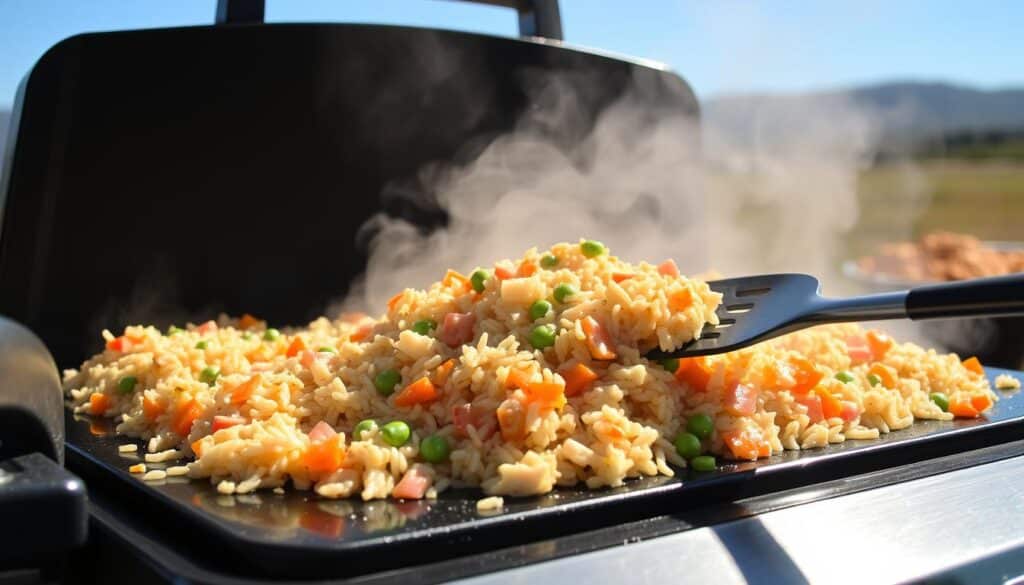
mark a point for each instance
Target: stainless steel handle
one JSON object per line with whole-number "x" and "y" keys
{"x": 537, "y": 18}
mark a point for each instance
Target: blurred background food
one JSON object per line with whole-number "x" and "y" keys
{"x": 944, "y": 256}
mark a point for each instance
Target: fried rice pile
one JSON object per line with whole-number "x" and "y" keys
{"x": 517, "y": 378}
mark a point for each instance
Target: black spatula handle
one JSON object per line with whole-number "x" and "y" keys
{"x": 999, "y": 295}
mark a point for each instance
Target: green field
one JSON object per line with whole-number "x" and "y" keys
{"x": 984, "y": 198}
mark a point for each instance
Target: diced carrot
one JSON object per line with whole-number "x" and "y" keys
{"x": 740, "y": 400}
{"x": 879, "y": 343}
{"x": 186, "y": 414}
{"x": 812, "y": 401}
{"x": 668, "y": 268}
{"x": 805, "y": 374}
{"x": 393, "y": 301}
{"x": 516, "y": 379}
{"x": 225, "y": 422}
{"x": 295, "y": 347}
{"x": 418, "y": 392}
{"x": 577, "y": 379}
{"x": 974, "y": 365}
{"x": 598, "y": 340}
{"x": 981, "y": 402}
{"x": 503, "y": 272}
{"x": 607, "y": 429}
{"x": 546, "y": 394}
{"x": 453, "y": 279}
{"x": 242, "y": 392}
{"x": 511, "y": 419}
{"x": 362, "y": 332}
{"x": 526, "y": 269}
{"x": 680, "y": 300}
{"x": 830, "y": 405}
{"x": 620, "y": 276}
{"x": 197, "y": 447}
{"x": 98, "y": 403}
{"x": 695, "y": 372}
{"x": 885, "y": 373}
{"x": 247, "y": 321}
{"x": 776, "y": 375}
{"x": 125, "y": 343}
{"x": 443, "y": 371}
{"x": 747, "y": 444}
{"x": 325, "y": 456}
{"x": 963, "y": 408}
{"x": 151, "y": 408}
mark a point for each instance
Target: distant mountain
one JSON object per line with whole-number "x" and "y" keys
{"x": 902, "y": 114}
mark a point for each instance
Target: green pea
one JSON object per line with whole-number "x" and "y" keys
{"x": 542, "y": 336}
{"x": 687, "y": 445}
{"x": 435, "y": 449}
{"x": 201, "y": 344}
{"x": 703, "y": 463}
{"x": 172, "y": 330}
{"x": 700, "y": 425}
{"x": 941, "y": 400}
{"x": 127, "y": 384}
{"x": 670, "y": 364}
{"x": 386, "y": 381}
{"x": 548, "y": 261}
{"x": 209, "y": 375}
{"x": 845, "y": 377}
{"x": 271, "y": 334}
{"x": 364, "y": 426}
{"x": 479, "y": 279}
{"x": 564, "y": 291}
{"x": 424, "y": 326}
{"x": 539, "y": 309}
{"x": 247, "y": 336}
{"x": 395, "y": 433}
{"x": 592, "y": 248}
{"x": 874, "y": 380}
{"x": 328, "y": 349}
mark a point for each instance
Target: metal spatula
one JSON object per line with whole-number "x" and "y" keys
{"x": 756, "y": 308}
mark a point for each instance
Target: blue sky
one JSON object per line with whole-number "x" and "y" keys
{"x": 719, "y": 46}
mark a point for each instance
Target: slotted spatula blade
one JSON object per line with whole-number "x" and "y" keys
{"x": 757, "y": 308}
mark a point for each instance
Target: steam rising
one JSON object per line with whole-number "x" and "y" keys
{"x": 774, "y": 188}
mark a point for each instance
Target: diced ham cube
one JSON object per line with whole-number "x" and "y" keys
{"x": 413, "y": 485}
{"x": 858, "y": 349}
{"x": 849, "y": 412}
{"x": 814, "y": 409}
{"x": 457, "y": 329}
{"x": 321, "y": 431}
{"x": 208, "y": 327}
{"x": 483, "y": 420}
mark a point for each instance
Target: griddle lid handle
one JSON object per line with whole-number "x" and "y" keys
{"x": 537, "y": 18}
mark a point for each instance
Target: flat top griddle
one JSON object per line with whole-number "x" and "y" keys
{"x": 299, "y": 534}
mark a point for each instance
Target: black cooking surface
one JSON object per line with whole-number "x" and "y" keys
{"x": 300, "y": 534}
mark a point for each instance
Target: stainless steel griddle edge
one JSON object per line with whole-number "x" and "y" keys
{"x": 959, "y": 526}
{"x": 762, "y": 539}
